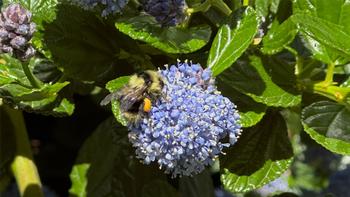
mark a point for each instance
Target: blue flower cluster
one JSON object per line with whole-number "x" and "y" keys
{"x": 108, "y": 6}
{"x": 166, "y": 12}
{"x": 186, "y": 126}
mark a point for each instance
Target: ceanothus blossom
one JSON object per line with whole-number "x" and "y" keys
{"x": 188, "y": 127}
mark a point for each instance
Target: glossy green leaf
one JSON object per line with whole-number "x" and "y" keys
{"x": 65, "y": 107}
{"x": 270, "y": 81}
{"x": 117, "y": 83}
{"x": 328, "y": 124}
{"x": 232, "y": 40}
{"x": 303, "y": 5}
{"x": 318, "y": 50}
{"x": 158, "y": 188}
{"x": 261, "y": 155}
{"x": 112, "y": 171}
{"x": 78, "y": 177}
{"x": 47, "y": 71}
{"x": 18, "y": 91}
{"x": 113, "y": 86}
{"x": 329, "y": 10}
{"x": 200, "y": 185}
{"x": 81, "y": 44}
{"x": 345, "y": 16}
{"x": 170, "y": 39}
{"x": 11, "y": 71}
{"x": 325, "y": 32}
{"x": 332, "y": 15}
{"x": 250, "y": 111}
{"x": 269, "y": 172}
{"x": 278, "y": 37}
{"x": 262, "y": 7}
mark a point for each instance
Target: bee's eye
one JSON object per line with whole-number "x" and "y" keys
{"x": 147, "y": 105}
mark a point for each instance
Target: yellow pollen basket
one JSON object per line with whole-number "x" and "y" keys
{"x": 147, "y": 105}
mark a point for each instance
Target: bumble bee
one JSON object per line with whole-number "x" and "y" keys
{"x": 137, "y": 95}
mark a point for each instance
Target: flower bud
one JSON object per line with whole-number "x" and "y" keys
{"x": 16, "y": 29}
{"x": 109, "y": 7}
{"x": 166, "y": 12}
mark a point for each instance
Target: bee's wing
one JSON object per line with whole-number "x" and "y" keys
{"x": 110, "y": 97}
{"x": 130, "y": 97}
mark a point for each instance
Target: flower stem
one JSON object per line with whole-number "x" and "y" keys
{"x": 245, "y": 2}
{"x": 338, "y": 94}
{"x": 33, "y": 81}
{"x": 23, "y": 167}
{"x": 200, "y": 8}
{"x": 222, "y": 6}
{"x": 329, "y": 74}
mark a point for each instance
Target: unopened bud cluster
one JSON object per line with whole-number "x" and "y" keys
{"x": 108, "y": 7}
{"x": 166, "y": 12}
{"x": 16, "y": 29}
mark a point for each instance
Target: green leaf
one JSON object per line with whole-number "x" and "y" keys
{"x": 81, "y": 44}
{"x": 262, "y": 7}
{"x": 279, "y": 36}
{"x": 261, "y": 155}
{"x": 269, "y": 172}
{"x": 158, "y": 188}
{"x": 17, "y": 91}
{"x": 325, "y": 32}
{"x": 302, "y": 5}
{"x": 113, "y": 86}
{"x": 232, "y": 40}
{"x": 112, "y": 171}
{"x": 332, "y": 15}
{"x": 47, "y": 71}
{"x": 271, "y": 81}
{"x": 200, "y": 185}
{"x": 11, "y": 71}
{"x": 328, "y": 124}
{"x": 250, "y": 111}
{"x": 65, "y": 107}
{"x": 79, "y": 180}
{"x": 329, "y": 10}
{"x": 345, "y": 16}
{"x": 117, "y": 83}
{"x": 169, "y": 39}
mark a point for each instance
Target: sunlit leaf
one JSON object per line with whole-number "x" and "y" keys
{"x": 327, "y": 123}
{"x": 232, "y": 39}
{"x": 170, "y": 39}
{"x": 262, "y": 154}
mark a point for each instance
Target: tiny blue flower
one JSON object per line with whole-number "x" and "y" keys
{"x": 186, "y": 128}
{"x": 166, "y": 12}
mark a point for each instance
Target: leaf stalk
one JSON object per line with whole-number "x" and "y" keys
{"x": 33, "y": 81}
{"x": 23, "y": 167}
